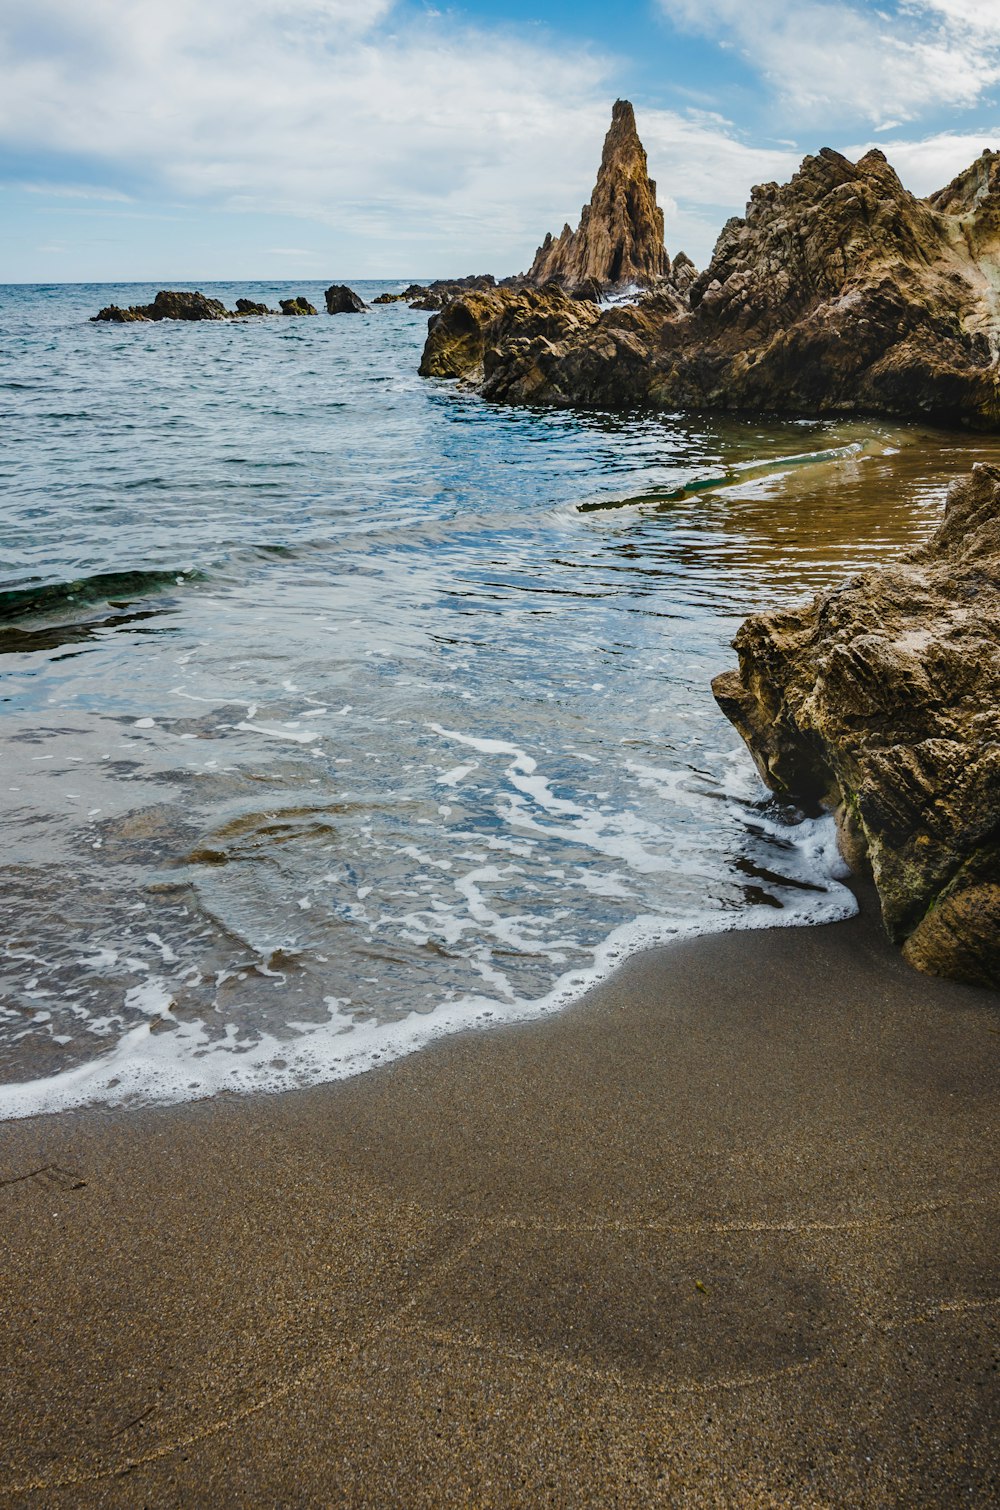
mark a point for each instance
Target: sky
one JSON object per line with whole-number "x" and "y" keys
{"x": 182, "y": 140}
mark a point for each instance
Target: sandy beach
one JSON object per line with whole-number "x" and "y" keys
{"x": 723, "y": 1234}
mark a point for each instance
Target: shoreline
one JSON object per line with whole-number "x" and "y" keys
{"x": 721, "y": 1233}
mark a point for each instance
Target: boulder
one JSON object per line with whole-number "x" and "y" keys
{"x": 341, "y": 300}
{"x": 881, "y": 701}
{"x": 619, "y": 241}
{"x": 389, "y": 298}
{"x": 296, "y": 306}
{"x": 838, "y": 292}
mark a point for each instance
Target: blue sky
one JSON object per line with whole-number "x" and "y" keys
{"x": 182, "y": 140}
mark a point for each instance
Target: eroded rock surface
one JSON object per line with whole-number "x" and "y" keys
{"x": 470, "y": 337}
{"x": 882, "y": 700}
{"x": 838, "y": 292}
{"x": 619, "y": 240}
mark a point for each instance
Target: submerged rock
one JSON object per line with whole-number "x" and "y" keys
{"x": 881, "y": 700}
{"x": 619, "y": 241}
{"x": 838, "y": 292}
{"x": 341, "y": 300}
{"x": 297, "y": 306}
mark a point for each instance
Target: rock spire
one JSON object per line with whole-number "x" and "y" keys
{"x": 619, "y": 240}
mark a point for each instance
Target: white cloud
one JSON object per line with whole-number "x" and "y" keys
{"x": 426, "y": 132}
{"x": 932, "y": 162}
{"x": 834, "y": 60}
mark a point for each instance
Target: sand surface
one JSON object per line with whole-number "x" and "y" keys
{"x": 725, "y": 1234}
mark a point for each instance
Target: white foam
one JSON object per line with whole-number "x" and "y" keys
{"x": 296, "y": 735}
{"x": 183, "y": 1062}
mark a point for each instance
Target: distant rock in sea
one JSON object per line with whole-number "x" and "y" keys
{"x": 179, "y": 304}
{"x": 248, "y": 307}
{"x": 341, "y": 300}
{"x": 838, "y": 292}
{"x": 297, "y": 306}
{"x": 881, "y": 699}
{"x": 169, "y": 304}
{"x": 619, "y": 241}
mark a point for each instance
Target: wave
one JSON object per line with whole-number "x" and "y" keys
{"x": 36, "y": 598}
{"x": 735, "y": 475}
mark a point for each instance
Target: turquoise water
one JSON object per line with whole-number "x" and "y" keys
{"x": 341, "y": 709}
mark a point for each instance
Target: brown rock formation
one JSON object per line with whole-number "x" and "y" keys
{"x": 838, "y": 292}
{"x": 619, "y": 240}
{"x": 882, "y": 700}
{"x": 473, "y": 328}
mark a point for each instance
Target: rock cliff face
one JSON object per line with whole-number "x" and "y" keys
{"x": 882, "y": 700}
{"x": 619, "y": 240}
{"x": 838, "y": 292}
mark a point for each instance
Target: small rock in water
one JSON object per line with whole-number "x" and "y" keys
{"x": 341, "y": 300}
{"x": 297, "y": 306}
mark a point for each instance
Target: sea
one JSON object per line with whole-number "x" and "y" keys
{"x": 341, "y": 710}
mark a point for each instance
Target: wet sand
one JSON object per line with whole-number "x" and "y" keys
{"x": 725, "y": 1234}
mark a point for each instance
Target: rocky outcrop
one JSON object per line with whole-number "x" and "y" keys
{"x": 505, "y": 343}
{"x": 297, "y": 306}
{"x": 838, "y": 292}
{"x": 179, "y": 304}
{"x": 341, "y": 300}
{"x": 472, "y": 330}
{"x": 881, "y": 700}
{"x": 248, "y": 307}
{"x": 434, "y": 296}
{"x": 619, "y": 241}
{"x": 169, "y": 304}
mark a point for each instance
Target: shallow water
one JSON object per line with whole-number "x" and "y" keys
{"x": 341, "y": 709}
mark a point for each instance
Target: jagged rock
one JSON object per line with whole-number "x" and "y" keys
{"x": 297, "y": 306}
{"x": 389, "y": 298}
{"x": 248, "y": 307}
{"x": 434, "y": 296}
{"x": 619, "y": 241}
{"x": 839, "y": 292}
{"x": 506, "y": 342}
{"x": 169, "y": 304}
{"x": 113, "y": 314}
{"x": 882, "y": 700}
{"x": 341, "y": 300}
{"x": 466, "y": 337}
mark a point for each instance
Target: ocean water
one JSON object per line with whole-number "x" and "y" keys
{"x": 341, "y": 709}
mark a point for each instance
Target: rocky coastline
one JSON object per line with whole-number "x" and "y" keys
{"x": 839, "y": 292}
{"x": 881, "y": 700}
